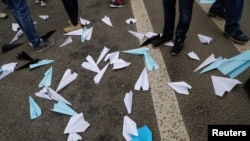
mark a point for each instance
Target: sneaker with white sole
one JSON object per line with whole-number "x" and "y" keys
{"x": 45, "y": 44}
{"x": 117, "y": 4}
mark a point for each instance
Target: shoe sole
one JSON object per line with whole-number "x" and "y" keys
{"x": 215, "y": 16}
{"x": 231, "y": 38}
{"x": 116, "y": 6}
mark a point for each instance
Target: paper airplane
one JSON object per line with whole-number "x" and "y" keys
{"x": 193, "y": 55}
{"x": 84, "y": 21}
{"x": 100, "y": 74}
{"x": 107, "y": 20}
{"x": 35, "y": 110}
{"x": 67, "y": 41}
{"x": 129, "y": 128}
{"x": 137, "y": 51}
{"x": 112, "y": 57}
{"x": 150, "y": 39}
{"x": 151, "y": 34}
{"x": 120, "y": 63}
{"x": 86, "y": 34}
{"x": 63, "y": 108}
{"x": 208, "y": 61}
{"x": 47, "y": 35}
{"x": 144, "y": 134}
{"x": 15, "y": 26}
{"x": 8, "y": 47}
{"x": 223, "y": 84}
{"x": 142, "y": 81}
{"x": 137, "y": 34}
{"x": 213, "y": 65}
{"x": 131, "y": 21}
{"x": 7, "y": 69}
{"x": 48, "y": 93}
{"x": 75, "y": 32}
{"x": 44, "y": 17}
{"x": 74, "y": 137}
{"x": 16, "y": 37}
{"x": 90, "y": 65}
{"x": 40, "y": 63}
{"x": 180, "y": 87}
{"x": 105, "y": 50}
{"x": 46, "y": 81}
{"x": 128, "y": 100}
{"x": 76, "y": 124}
{"x": 67, "y": 78}
{"x": 235, "y": 65}
{"x": 170, "y": 43}
{"x": 204, "y": 39}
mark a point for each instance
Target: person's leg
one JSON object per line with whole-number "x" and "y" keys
{"x": 169, "y": 22}
{"x": 185, "y": 10}
{"x": 21, "y": 13}
{"x": 71, "y": 7}
{"x": 234, "y": 11}
{"x": 217, "y": 9}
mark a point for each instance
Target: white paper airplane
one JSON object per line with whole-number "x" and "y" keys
{"x": 44, "y": 17}
{"x": 16, "y": 37}
{"x": 107, "y": 20}
{"x": 100, "y": 74}
{"x": 223, "y": 84}
{"x": 137, "y": 34}
{"x": 128, "y": 100}
{"x": 105, "y": 50}
{"x": 112, "y": 57}
{"x": 76, "y": 124}
{"x": 193, "y": 55}
{"x": 90, "y": 65}
{"x": 67, "y": 41}
{"x": 129, "y": 128}
{"x": 170, "y": 43}
{"x": 63, "y": 108}
{"x": 84, "y": 21}
{"x": 204, "y": 39}
{"x": 120, "y": 63}
{"x": 150, "y": 34}
{"x": 74, "y": 137}
{"x": 7, "y": 69}
{"x": 131, "y": 21}
{"x": 180, "y": 87}
{"x": 48, "y": 93}
{"x": 142, "y": 81}
{"x": 67, "y": 78}
{"x": 75, "y": 32}
{"x": 86, "y": 34}
{"x": 209, "y": 60}
{"x": 15, "y": 26}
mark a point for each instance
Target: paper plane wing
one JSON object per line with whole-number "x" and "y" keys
{"x": 142, "y": 81}
{"x": 76, "y": 124}
{"x": 16, "y": 37}
{"x": 46, "y": 81}
{"x": 223, "y": 84}
{"x": 107, "y": 20}
{"x": 112, "y": 57}
{"x": 129, "y": 128}
{"x": 63, "y": 108}
{"x": 213, "y": 65}
{"x": 170, "y": 43}
{"x": 44, "y": 17}
{"x": 150, "y": 62}
{"x": 40, "y": 63}
{"x": 120, "y": 63}
{"x": 84, "y": 21}
{"x": 67, "y": 78}
{"x": 54, "y": 95}
{"x": 105, "y": 50}
{"x": 137, "y": 34}
{"x": 137, "y": 51}
{"x": 209, "y": 60}
{"x": 8, "y": 47}
{"x": 193, "y": 55}
{"x": 75, "y": 32}
{"x": 44, "y": 93}
{"x": 180, "y": 87}
{"x": 35, "y": 110}
{"x": 67, "y": 41}
{"x": 74, "y": 137}
{"x": 100, "y": 74}
{"x": 204, "y": 39}
{"x": 86, "y": 34}
{"x": 128, "y": 100}
{"x": 90, "y": 65}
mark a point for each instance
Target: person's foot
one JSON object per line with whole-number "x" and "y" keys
{"x": 3, "y": 15}
{"x": 72, "y": 28}
{"x": 163, "y": 39}
{"x": 43, "y": 3}
{"x": 237, "y": 36}
{"x": 220, "y": 16}
{"x": 178, "y": 46}
{"x": 45, "y": 44}
{"x": 117, "y": 4}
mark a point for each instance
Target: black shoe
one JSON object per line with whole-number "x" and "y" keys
{"x": 237, "y": 36}
{"x": 178, "y": 46}
{"x": 220, "y": 16}
{"x": 163, "y": 39}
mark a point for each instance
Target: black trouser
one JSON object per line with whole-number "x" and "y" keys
{"x": 71, "y": 7}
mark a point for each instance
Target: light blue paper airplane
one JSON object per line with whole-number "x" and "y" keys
{"x": 213, "y": 65}
{"x": 149, "y": 61}
{"x": 46, "y": 81}
{"x": 207, "y": 1}
{"x": 41, "y": 63}
{"x": 35, "y": 110}
{"x": 235, "y": 65}
{"x": 63, "y": 108}
{"x": 83, "y": 38}
{"x": 144, "y": 134}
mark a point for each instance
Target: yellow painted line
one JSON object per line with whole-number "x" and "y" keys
{"x": 169, "y": 118}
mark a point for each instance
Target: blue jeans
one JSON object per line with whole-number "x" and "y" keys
{"x": 185, "y": 10}
{"x": 234, "y": 11}
{"x": 21, "y": 13}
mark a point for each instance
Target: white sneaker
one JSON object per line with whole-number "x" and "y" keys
{"x": 43, "y": 3}
{"x": 3, "y": 15}
{"x": 37, "y": 1}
